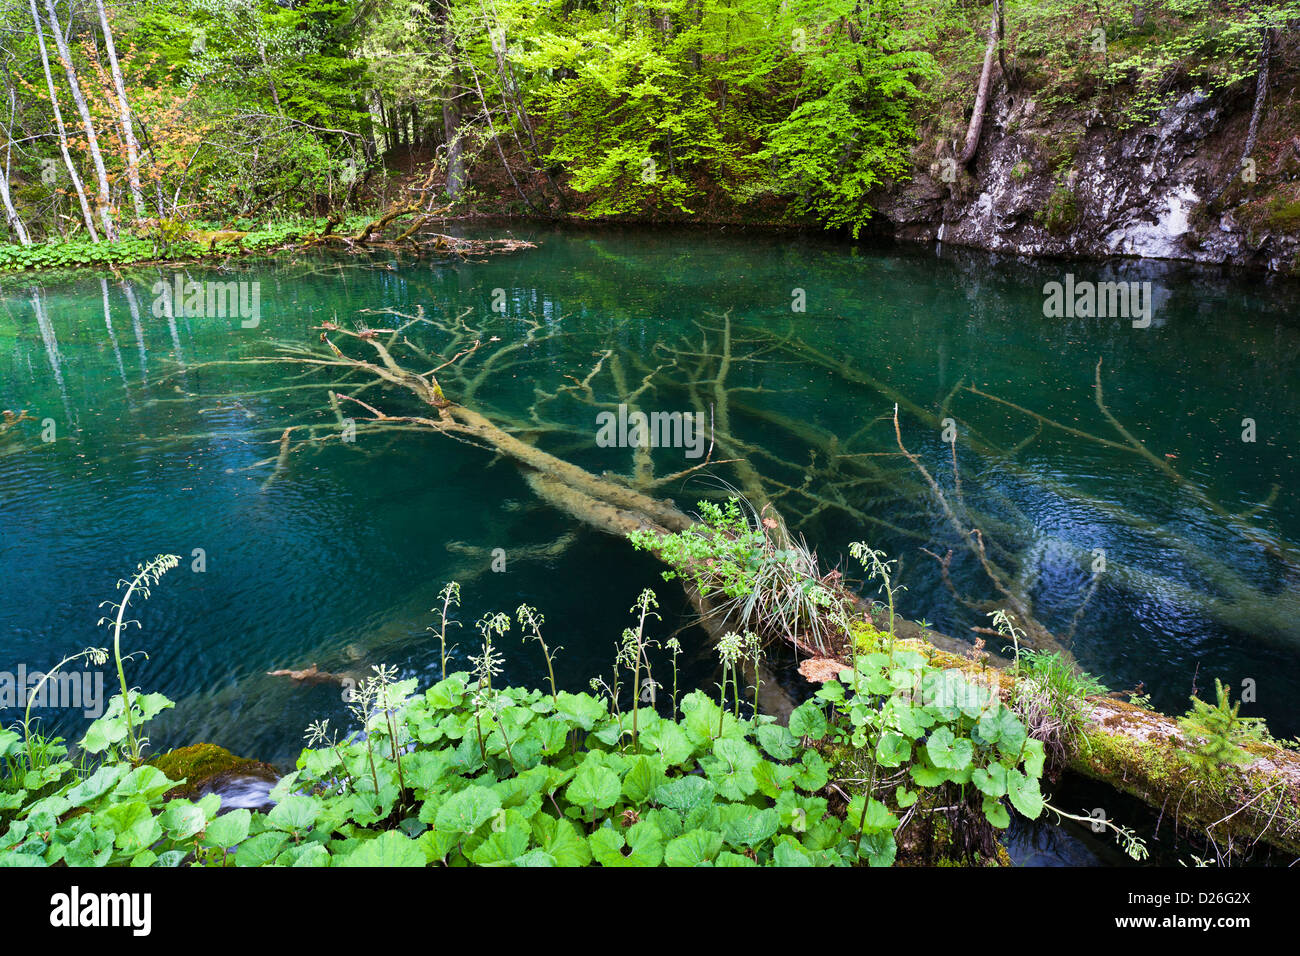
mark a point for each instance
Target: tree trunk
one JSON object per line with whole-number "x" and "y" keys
{"x": 11, "y": 214}
{"x": 1261, "y": 94}
{"x": 450, "y": 105}
{"x": 1140, "y": 752}
{"x": 124, "y": 112}
{"x": 982, "y": 95}
{"x": 92, "y": 141}
{"x": 270, "y": 77}
{"x": 86, "y": 214}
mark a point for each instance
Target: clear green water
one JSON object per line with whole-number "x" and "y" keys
{"x": 339, "y": 559}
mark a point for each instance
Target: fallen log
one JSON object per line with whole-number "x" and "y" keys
{"x": 1142, "y": 753}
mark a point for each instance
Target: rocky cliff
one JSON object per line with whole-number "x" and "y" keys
{"x": 1075, "y": 183}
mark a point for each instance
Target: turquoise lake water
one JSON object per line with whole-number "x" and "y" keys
{"x": 337, "y": 560}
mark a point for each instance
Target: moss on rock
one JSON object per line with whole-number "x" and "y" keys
{"x": 204, "y": 767}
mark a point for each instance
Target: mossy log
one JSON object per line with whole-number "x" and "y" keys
{"x": 1143, "y": 753}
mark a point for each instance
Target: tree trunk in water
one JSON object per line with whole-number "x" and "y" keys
{"x": 124, "y": 111}
{"x": 982, "y": 95}
{"x": 86, "y": 214}
{"x": 92, "y": 141}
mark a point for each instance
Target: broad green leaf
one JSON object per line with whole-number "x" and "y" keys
{"x": 389, "y": 849}
{"x": 594, "y": 786}
{"x": 808, "y": 720}
{"x": 777, "y": 741}
{"x": 684, "y": 793}
{"x": 183, "y": 819}
{"x": 893, "y": 750}
{"x": 695, "y": 848}
{"x": 1024, "y": 794}
{"x": 228, "y": 829}
{"x": 467, "y": 810}
{"x": 949, "y": 752}
{"x": 294, "y": 813}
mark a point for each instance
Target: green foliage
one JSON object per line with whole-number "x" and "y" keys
{"x": 470, "y": 774}
{"x": 854, "y": 89}
{"x": 925, "y": 727}
{"x": 562, "y": 784}
{"x": 755, "y": 572}
{"x": 1052, "y": 699}
{"x": 1215, "y": 732}
{"x": 1060, "y": 210}
{"x": 172, "y": 241}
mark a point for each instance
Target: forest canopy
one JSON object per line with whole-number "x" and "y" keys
{"x": 122, "y": 112}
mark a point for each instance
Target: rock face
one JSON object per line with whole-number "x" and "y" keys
{"x": 1073, "y": 184}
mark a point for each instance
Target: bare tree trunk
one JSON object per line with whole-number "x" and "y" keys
{"x": 270, "y": 79}
{"x": 11, "y": 214}
{"x": 450, "y": 107}
{"x": 92, "y": 141}
{"x": 86, "y": 214}
{"x": 1261, "y": 94}
{"x": 982, "y": 96}
{"x": 124, "y": 111}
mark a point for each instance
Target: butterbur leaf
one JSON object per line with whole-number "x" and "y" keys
{"x": 643, "y": 846}
{"x": 996, "y": 813}
{"x": 1002, "y": 727}
{"x": 145, "y": 783}
{"x": 744, "y": 825}
{"x": 9, "y": 742}
{"x": 808, "y": 720}
{"x": 390, "y": 848}
{"x": 893, "y": 749}
{"x": 1024, "y": 794}
{"x": 695, "y": 848}
{"x": 183, "y": 819}
{"x": 594, "y": 786}
{"x": 502, "y": 847}
{"x": 133, "y": 824}
{"x": 1034, "y": 757}
{"x": 788, "y": 852}
{"x": 229, "y": 829}
{"x": 727, "y": 858}
{"x": 777, "y": 741}
{"x": 641, "y": 780}
{"x": 684, "y": 794}
{"x": 261, "y": 849}
{"x": 467, "y": 810}
{"x": 294, "y": 813}
{"x": 560, "y": 839}
{"x": 949, "y": 752}
{"x": 992, "y": 781}
{"x": 97, "y": 784}
{"x": 582, "y": 709}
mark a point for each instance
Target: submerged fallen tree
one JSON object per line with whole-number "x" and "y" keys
{"x": 1135, "y": 750}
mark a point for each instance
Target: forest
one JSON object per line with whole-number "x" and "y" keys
{"x": 139, "y": 119}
